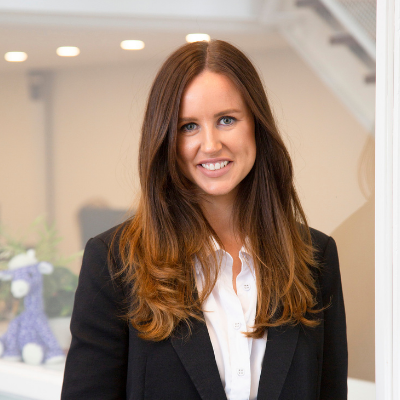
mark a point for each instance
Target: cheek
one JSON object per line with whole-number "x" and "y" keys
{"x": 186, "y": 150}
{"x": 251, "y": 138}
{"x": 184, "y": 157}
{"x": 246, "y": 144}
{"x": 180, "y": 152}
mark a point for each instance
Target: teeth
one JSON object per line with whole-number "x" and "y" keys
{"x": 215, "y": 166}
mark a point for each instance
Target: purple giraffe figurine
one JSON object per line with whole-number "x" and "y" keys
{"x": 28, "y": 335}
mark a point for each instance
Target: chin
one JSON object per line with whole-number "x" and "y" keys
{"x": 215, "y": 192}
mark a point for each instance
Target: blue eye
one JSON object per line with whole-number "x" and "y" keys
{"x": 189, "y": 127}
{"x": 227, "y": 120}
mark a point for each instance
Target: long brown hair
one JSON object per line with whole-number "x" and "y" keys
{"x": 159, "y": 244}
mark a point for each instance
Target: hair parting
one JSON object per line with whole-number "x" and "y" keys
{"x": 169, "y": 233}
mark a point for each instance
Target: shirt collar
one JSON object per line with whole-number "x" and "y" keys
{"x": 244, "y": 248}
{"x": 217, "y": 248}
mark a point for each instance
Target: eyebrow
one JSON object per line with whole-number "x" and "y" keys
{"x": 229, "y": 111}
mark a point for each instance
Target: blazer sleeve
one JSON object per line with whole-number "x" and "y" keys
{"x": 96, "y": 365}
{"x": 334, "y": 366}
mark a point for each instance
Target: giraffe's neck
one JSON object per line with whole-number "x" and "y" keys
{"x": 33, "y": 301}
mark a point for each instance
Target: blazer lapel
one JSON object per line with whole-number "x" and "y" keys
{"x": 279, "y": 350}
{"x": 194, "y": 349}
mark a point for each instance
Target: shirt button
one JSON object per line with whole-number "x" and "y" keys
{"x": 246, "y": 286}
{"x": 240, "y": 371}
{"x": 237, "y": 325}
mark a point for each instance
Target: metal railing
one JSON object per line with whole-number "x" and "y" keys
{"x": 354, "y": 23}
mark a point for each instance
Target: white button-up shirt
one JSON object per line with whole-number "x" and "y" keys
{"x": 228, "y": 315}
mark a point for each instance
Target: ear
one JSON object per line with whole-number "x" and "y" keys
{"x": 31, "y": 253}
{"x": 5, "y": 276}
{"x": 45, "y": 268}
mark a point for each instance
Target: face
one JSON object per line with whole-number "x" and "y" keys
{"x": 216, "y": 141}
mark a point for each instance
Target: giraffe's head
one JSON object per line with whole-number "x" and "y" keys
{"x": 25, "y": 272}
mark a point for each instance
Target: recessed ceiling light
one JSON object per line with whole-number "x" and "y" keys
{"x": 15, "y": 56}
{"x": 68, "y": 51}
{"x": 197, "y": 37}
{"x": 132, "y": 44}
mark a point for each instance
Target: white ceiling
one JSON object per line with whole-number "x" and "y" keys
{"x": 98, "y": 27}
{"x": 225, "y": 9}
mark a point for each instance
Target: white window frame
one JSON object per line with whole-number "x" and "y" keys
{"x": 387, "y": 195}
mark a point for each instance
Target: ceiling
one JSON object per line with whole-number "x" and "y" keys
{"x": 98, "y": 31}
{"x": 97, "y": 27}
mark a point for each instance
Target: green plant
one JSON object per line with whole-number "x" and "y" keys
{"x": 59, "y": 286}
{"x": 59, "y": 292}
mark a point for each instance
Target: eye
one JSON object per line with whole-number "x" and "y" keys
{"x": 191, "y": 126}
{"x": 227, "y": 120}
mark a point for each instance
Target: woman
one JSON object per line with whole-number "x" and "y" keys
{"x": 217, "y": 288}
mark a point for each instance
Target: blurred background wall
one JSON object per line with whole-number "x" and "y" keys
{"x": 96, "y": 107}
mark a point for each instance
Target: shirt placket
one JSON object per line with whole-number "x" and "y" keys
{"x": 240, "y": 378}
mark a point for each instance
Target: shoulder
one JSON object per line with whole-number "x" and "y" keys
{"x": 319, "y": 240}
{"x": 324, "y": 246}
{"x": 109, "y": 241}
{"x": 333, "y": 375}
{"x": 101, "y": 256}
{"x": 110, "y": 236}
{"x": 327, "y": 259}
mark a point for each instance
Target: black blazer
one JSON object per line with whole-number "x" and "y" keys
{"x": 108, "y": 361}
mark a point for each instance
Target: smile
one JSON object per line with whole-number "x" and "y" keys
{"x": 215, "y": 166}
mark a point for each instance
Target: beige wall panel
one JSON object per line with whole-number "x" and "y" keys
{"x": 98, "y": 114}
{"x": 21, "y": 155}
{"x": 324, "y": 139}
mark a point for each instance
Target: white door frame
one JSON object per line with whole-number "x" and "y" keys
{"x": 387, "y": 195}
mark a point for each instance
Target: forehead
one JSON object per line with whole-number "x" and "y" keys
{"x": 210, "y": 91}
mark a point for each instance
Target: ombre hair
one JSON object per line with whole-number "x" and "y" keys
{"x": 158, "y": 246}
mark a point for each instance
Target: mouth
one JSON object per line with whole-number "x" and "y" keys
{"x": 215, "y": 166}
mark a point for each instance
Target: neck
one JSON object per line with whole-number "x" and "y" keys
{"x": 219, "y": 214}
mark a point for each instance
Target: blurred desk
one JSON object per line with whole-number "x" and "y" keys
{"x": 360, "y": 390}
{"x": 20, "y": 381}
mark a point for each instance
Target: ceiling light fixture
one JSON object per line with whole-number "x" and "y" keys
{"x": 15, "y": 56}
{"x": 68, "y": 51}
{"x": 132, "y": 44}
{"x": 197, "y": 37}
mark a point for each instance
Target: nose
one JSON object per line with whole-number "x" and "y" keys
{"x": 19, "y": 288}
{"x": 211, "y": 140}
